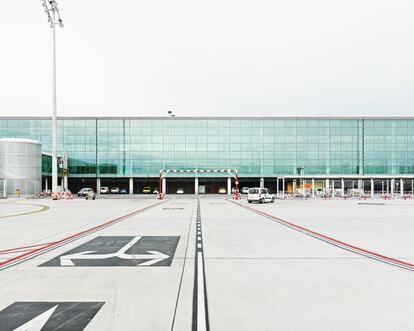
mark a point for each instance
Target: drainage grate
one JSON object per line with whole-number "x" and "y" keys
{"x": 173, "y": 208}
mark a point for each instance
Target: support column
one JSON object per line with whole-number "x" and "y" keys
{"x": 401, "y": 187}
{"x": 283, "y": 187}
{"x": 294, "y": 187}
{"x": 342, "y": 187}
{"x": 277, "y": 187}
{"x": 131, "y": 185}
{"x": 261, "y": 182}
{"x": 98, "y": 185}
{"x": 392, "y": 186}
{"x": 372, "y": 187}
{"x": 388, "y": 186}
{"x": 46, "y": 187}
{"x": 412, "y": 188}
{"x": 304, "y": 188}
{"x": 228, "y": 185}
{"x": 313, "y": 188}
{"x": 327, "y": 186}
{"x": 164, "y": 185}
{"x": 196, "y": 185}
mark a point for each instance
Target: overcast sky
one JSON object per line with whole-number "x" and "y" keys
{"x": 225, "y": 58}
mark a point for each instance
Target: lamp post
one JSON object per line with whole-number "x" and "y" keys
{"x": 53, "y": 17}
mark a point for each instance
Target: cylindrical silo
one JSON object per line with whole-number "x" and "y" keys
{"x": 21, "y": 165}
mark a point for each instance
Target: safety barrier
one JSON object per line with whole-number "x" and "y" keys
{"x": 62, "y": 195}
{"x": 236, "y": 196}
{"x": 364, "y": 197}
{"x": 327, "y": 197}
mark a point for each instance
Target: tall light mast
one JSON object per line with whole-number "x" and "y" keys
{"x": 54, "y": 19}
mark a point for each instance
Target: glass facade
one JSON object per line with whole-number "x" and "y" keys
{"x": 257, "y": 147}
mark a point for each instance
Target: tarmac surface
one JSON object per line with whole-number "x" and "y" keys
{"x": 206, "y": 264}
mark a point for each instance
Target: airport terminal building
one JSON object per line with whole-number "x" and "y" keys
{"x": 375, "y": 154}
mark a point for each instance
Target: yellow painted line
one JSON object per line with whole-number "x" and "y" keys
{"x": 42, "y": 208}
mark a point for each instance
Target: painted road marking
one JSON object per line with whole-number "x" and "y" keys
{"x": 42, "y": 208}
{"x": 335, "y": 242}
{"x": 119, "y": 251}
{"x": 37, "y": 316}
{"x": 37, "y": 323}
{"x": 200, "y": 306}
{"x": 27, "y": 255}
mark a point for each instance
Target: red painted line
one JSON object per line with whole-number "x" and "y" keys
{"x": 333, "y": 240}
{"x": 74, "y": 236}
{"x": 20, "y": 248}
{"x": 15, "y": 252}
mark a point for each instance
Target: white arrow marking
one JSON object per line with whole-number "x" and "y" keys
{"x": 153, "y": 257}
{"x": 37, "y": 323}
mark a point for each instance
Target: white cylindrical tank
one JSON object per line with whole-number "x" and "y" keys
{"x": 21, "y": 165}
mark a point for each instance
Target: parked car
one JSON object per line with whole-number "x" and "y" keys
{"x": 261, "y": 195}
{"x": 104, "y": 190}
{"x": 222, "y": 190}
{"x": 83, "y": 192}
{"x": 244, "y": 190}
{"x": 180, "y": 190}
{"x": 115, "y": 190}
{"x": 156, "y": 191}
{"x": 123, "y": 191}
{"x": 146, "y": 189}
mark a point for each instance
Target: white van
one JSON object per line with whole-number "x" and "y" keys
{"x": 260, "y": 195}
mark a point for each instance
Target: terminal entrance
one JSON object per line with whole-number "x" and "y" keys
{"x": 122, "y": 184}
{"x": 145, "y": 185}
{"x": 185, "y": 185}
{"x": 213, "y": 185}
{"x": 76, "y": 184}
{"x": 249, "y": 182}
{"x": 205, "y": 185}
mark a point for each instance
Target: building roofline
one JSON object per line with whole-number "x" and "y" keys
{"x": 212, "y": 117}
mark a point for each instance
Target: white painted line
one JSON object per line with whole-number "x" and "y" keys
{"x": 199, "y": 238}
{"x": 199, "y": 245}
{"x": 198, "y": 232}
{"x": 37, "y": 323}
{"x": 201, "y": 312}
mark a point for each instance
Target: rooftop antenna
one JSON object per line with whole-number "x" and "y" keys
{"x": 54, "y": 19}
